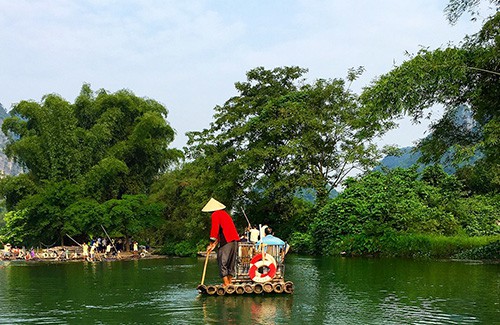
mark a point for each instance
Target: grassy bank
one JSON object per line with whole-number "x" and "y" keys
{"x": 424, "y": 246}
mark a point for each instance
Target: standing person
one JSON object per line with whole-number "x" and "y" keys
{"x": 262, "y": 232}
{"x": 108, "y": 251}
{"x": 85, "y": 252}
{"x": 136, "y": 248}
{"x": 254, "y": 234}
{"x": 6, "y": 250}
{"x": 92, "y": 251}
{"x": 224, "y": 232}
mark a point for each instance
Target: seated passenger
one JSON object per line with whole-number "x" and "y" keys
{"x": 278, "y": 248}
{"x": 269, "y": 239}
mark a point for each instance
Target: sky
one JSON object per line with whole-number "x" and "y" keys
{"x": 187, "y": 55}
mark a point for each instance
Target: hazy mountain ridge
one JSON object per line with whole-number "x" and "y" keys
{"x": 7, "y": 166}
{"x": 409, "y": 156}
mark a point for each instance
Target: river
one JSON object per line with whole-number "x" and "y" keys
{"x": 330, "y": 290}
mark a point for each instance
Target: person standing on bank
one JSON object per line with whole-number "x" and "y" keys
{"x": 224, "y": 232}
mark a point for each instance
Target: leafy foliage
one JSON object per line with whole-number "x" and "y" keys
{"x": 457, "y": 8}
{"x": 280, "y": 135}
{"x": 489, "y": 251}
{"x": 467, "y": 75}
{"x": 89, "y": 163}
{"x": 380, "y": 205}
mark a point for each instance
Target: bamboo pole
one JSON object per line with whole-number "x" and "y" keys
{"x": 240, "y": 290}
{"x": 268, "y": 287}
{"x": 209, "y": 250}
{"x": 201, "y": 287}
{"x": 221, "y": 290}
{"x": 74, "y": 240}
{"x": 211, "y": 290}
{"x": 278, "y": 287}
{"x": 230, "y": 289}
{"x": 258, "y": 288}
{"x": 109, "y": 238}
{"x": 248, "y": 288}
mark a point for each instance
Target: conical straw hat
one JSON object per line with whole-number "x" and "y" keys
{"x": 213, "y": 205}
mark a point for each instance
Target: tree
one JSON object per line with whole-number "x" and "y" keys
{"x": 456, "y": 8}
{"x": 183, "y": 192}
{"x": 468, "y": 75}
{"x": 280, "y": 135}
{"x": 101, "y": 148}
{"x": 131, "y": 215}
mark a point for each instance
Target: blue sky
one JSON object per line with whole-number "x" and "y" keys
{"x": 188, "y": 54}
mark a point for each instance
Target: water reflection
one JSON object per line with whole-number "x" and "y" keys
{"x": 393, "y": 291}
{"x": 246, "y": 309}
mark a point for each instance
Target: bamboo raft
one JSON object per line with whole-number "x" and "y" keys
{"x": 247, "y": 288}
{"x": 251, "y": 277}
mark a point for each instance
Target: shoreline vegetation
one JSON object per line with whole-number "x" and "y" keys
{"x": 436, "y": 247}
{"x": 277, "y": 151}
{"x": 486, "y": 249}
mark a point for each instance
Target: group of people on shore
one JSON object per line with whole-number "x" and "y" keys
{"x": 94, "y": 250}
{"x": 97, "y": 250}
{"x": 10, "y": 252}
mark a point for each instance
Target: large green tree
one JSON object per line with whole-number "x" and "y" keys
{"x": 81, "y": 155}
{"x": 456, "y": 76}
{"x": 280, "y": 134}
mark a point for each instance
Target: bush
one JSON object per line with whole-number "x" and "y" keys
{"x": 183, "y": 248}
{"x": 478, "y": 214}
{"x": 381, "y": 213}
{"x": 414, "y": 246}
{"x": 301, "y": 243}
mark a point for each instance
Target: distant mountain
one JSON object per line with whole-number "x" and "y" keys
{"x": 462, "y": 116}
{"x": 407, "y": 159}
{"x": 309, "y": 194}
{"x": 7, "y": 166}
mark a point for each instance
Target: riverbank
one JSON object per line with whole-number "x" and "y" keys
{"x": 423, "y": 246}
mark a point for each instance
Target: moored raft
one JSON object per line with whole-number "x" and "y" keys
{"x": 257, "y": 272}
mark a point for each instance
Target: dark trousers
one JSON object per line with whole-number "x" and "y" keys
{"x": 226, "y": 257}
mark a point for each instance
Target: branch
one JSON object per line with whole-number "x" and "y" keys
{"x": 484, "y": 70}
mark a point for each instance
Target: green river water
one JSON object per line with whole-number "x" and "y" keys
{"x": 327, "y": 291}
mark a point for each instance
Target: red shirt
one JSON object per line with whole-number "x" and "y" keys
{"x": 221, "y": 220}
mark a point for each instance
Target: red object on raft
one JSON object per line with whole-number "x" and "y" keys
{"x": 262, "y": 261}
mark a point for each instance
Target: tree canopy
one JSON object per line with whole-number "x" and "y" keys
{"x": 280, "y": 135}
{"x": 81, "y": 156}
{"x": 467, "y": 75}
